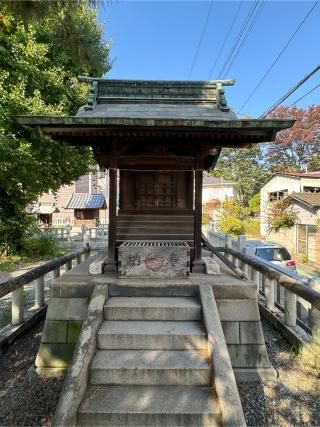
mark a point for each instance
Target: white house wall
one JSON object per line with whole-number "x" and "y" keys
{"x": 217, "y": 193}
{"x": 280, "y": 183}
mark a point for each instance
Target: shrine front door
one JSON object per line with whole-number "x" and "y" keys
{"x": 156, "y": 190}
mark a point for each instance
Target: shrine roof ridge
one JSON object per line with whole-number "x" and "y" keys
{"x": 177, "y": 92}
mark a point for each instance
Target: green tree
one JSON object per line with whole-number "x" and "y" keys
{"x": 38, "y": 70}
{"x": 245, "y": 167}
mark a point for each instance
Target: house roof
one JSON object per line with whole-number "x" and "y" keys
{"x": 295, "y": 175}
{"x": 310, "y": 199}
{"x": 86, "y": 201}
{"x": 45, "y": 208}
{"x": 213, "y": 180}
{"x": 303, "y": 174}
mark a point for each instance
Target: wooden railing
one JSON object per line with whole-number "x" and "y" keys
{"x": 298, "y": 299}
{"x": 36, "y": 275}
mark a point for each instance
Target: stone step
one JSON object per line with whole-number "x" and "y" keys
{"x": 147, "y": 367}
{"x": 158, "y": 289}
{"x": 163, "y": 308}
{"x": 149, "y": 406}
{"x": 153, "y": 335}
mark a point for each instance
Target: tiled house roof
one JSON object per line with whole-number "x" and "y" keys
{"x": 86, "y": 201}
{"x": 310, "y": 199}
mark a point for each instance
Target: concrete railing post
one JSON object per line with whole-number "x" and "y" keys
{"x": 56, "y": 273}
{"x": 247, "y": 270}
{"x": 68, "y": 265}
{"x": 17, "y": 307}
{"x": 228, "y": 244}
{"x": 39, "y": 292}
{"x": 255, "y": 277}
{"x": 315, "y": 315}
{"x": 241, "y": 247}
{"x": 269, "y": 292}
{"x": 290, "y": 308}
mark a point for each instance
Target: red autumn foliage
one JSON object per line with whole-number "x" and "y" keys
{"x": 296, "y": 149}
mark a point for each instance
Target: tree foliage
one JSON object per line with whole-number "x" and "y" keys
{"x": 245, "y": 167}
{"x": 38, "y": 68}
{"x": 281, "y": 215}
{"x": 296, "y": 149}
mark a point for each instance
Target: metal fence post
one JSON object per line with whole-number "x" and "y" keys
{"x": 39, "y": 292}
{"x": 17, "y": 306}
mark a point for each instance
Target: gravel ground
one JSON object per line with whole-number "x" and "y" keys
{"x": 292, "y": 399}
{"x": 25, "y": 401}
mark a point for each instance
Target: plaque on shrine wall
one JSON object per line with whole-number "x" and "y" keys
{"x": 154, "y": 259}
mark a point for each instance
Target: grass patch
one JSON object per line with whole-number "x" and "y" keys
{"x": 41, "y": 248}
{"x": 252, "y": 227}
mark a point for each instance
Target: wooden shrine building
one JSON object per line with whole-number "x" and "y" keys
{"x": 159, "y": 136}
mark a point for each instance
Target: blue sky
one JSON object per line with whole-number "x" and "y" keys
{"x": 158, "y": 40}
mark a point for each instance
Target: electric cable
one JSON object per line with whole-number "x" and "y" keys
{"x": 278, "y": 56}
{"x": 225, "y": 39}
{"x": 200, "y": 41}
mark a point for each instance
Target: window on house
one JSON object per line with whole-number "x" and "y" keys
{"x": 311, "y": 189}
{"x": 86, "y": 214}
{"x": 58, "y": 221}
{"x": 277, "y": 195}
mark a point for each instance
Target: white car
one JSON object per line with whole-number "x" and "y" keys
{"x": 272, "y": 252}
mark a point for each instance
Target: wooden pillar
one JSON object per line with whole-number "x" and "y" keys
{"x": 111, "y": 264}
{"x": 198, "y": 264}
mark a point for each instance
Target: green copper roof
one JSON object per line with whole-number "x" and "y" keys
{"x": 185, "y": 106}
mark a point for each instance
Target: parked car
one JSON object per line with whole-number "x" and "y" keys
{"x": 272, "y": 252}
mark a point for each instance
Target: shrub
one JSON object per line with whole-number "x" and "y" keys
{"x": 205, "y": 219}
{"x": 42, "y": 246}
{"x": 232, "y": 225}
{"x": 281, "y": 215}
{"x": 254, "y": 204}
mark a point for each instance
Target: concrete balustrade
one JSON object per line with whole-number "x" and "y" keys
{"x": 39, "y": 292}
{"x": 17, "y": 307}
{"x": 270, "y": 281}
{"x": 269, "y": 285}
{"x": 36, "y": 276}
{"x": 290, "y": 308}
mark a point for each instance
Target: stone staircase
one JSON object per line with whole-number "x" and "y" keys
{"x": 151, "y": 367}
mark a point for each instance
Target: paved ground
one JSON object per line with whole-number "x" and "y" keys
{"x": 308, "y": 270}
{"x": 294, "y": 399}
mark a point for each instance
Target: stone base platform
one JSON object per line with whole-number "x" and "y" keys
{"x": 237, "y": 302}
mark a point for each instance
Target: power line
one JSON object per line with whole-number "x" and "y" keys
{"x": 291, "y": 91}
{"x": 242, "y": 31}
{"x": 244, "y": 39}
{"x": 225, "y": 39}
{"x": 306, "y": 94}
{"x": 200, "y": 41}
{"x": 279, "y": 56}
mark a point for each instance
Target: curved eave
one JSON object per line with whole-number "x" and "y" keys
{"x": 98, "y": 122}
